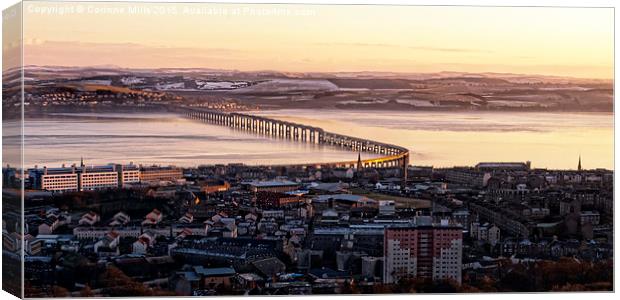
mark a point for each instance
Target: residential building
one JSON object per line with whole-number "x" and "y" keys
{"x": 54, "y": 179}
{"x": 83, "y": 178}
{"x": 153, "y": 217}
{"x": 280, "y": 186}
{"x": 504, "y": 166}
{"x": 591, "y": 217}
{"x": 387, "y": 208}
{"x": 155, "y": 174}
{"x": 129, "y": 174}
{"x": 423, "y": 250}
{"x": 89, "y": 219}
{"x": 467, "y": 176}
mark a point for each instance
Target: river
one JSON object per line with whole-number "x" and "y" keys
{"x": 441, "y": 139}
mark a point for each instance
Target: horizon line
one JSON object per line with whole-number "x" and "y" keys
{"x": 112, "y": 67}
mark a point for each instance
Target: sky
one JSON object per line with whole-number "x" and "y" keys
{"x": 576, "y": 42}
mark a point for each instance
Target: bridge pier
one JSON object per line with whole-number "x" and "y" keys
{"x": 394, "y": 156}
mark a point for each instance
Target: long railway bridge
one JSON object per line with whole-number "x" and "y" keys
{"x": 392, "y": 156}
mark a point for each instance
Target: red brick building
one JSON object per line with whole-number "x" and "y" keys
{"x": 431, "y": 251}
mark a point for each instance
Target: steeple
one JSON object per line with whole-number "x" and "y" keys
{"x": 579, "y": 165}
{"x": 359, "y": 161}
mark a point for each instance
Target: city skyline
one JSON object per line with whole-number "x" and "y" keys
{"x": 244, "y": 149}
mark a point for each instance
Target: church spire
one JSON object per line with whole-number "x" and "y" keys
{"x": 359, "y": 161}
{"x": 579, "y": 164}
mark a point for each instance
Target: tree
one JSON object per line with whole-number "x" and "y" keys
{"x": 58, "y": 291}
{"x": 86, "y": 292}
{"x": 116, "y": 284}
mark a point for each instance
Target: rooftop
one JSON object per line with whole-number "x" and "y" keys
{"x": 272, "y": 183}
{"x": 341, "y": 197}
{"x": 207, "y": 272}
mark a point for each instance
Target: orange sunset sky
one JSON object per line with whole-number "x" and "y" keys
{"x": 575, "y": 42}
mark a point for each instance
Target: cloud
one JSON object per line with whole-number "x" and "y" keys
{"x": 77, "y": 45}
{"x": 421, "y": 48}
{"x": 127, "y": 54}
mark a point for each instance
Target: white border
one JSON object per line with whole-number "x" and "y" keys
{"x": 538, "y": 3}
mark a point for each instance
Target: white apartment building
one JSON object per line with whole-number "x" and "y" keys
{"x": 54, "y": 179}
{"x": 83, "y": 178}
{"x": 130, "y": 174}
{"x": 97, "y": 178}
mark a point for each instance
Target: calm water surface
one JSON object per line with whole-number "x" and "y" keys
{"x": 445, "y": 139}
{"x": 553, "y": 140}
{"x": 159, "y": 139}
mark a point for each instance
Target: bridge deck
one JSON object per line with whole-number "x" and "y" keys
{"x": 392, "y": 155}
